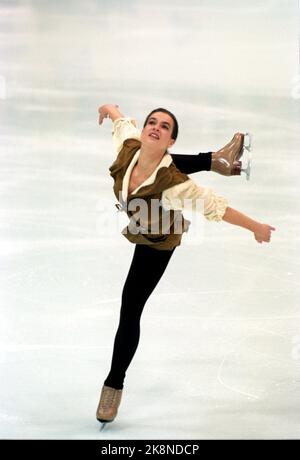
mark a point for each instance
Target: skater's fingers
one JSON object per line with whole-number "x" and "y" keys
{"x": 269, "y": 227}
{"x": 268, "y": 237}
{"x": 103, "y": 113}
{"x": 101, "y": 118}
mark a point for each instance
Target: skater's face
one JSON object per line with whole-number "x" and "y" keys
{"x": 158, "y": 131}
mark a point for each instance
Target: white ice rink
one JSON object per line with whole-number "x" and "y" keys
{"x": 219, "y": 353}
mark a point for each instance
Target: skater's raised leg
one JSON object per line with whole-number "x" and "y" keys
{"x": 226, "y": 161}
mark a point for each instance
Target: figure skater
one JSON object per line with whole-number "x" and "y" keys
{"x": 144, "y": 170}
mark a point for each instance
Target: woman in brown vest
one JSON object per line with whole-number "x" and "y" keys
{"x": 145, "y": 171}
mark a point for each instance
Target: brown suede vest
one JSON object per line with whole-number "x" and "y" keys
{"x": 168, "y": 225}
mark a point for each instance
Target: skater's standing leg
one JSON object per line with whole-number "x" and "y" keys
{"x": 147, "y": 267}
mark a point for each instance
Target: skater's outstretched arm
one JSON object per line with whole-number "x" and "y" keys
{"x": 214, "y": 207}
{"x": 262, "y": 232}
{"x": 123, "y": 127}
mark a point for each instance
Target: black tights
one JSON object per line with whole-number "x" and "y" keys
{"x": 147, "y": 267}
{"x": 189, "y": 164}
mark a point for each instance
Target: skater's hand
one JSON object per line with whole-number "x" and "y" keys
{"x": 103, "y": 113}
{"x": 263, "y": 233}
{"x": 108, "y": 111}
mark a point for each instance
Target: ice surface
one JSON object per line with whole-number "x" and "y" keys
{"x": 224, "y": 361}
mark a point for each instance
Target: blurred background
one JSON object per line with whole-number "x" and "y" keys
{"x": 226, "y": 358}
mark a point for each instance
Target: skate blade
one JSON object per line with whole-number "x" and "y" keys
{"x": 103, "y": 425}
{"x": 247, "y": 170}
{"x": 248, "y": 140}
{"x": 247, "y": 155}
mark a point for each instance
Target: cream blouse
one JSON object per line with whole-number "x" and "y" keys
{"x": 176, "y": 197}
